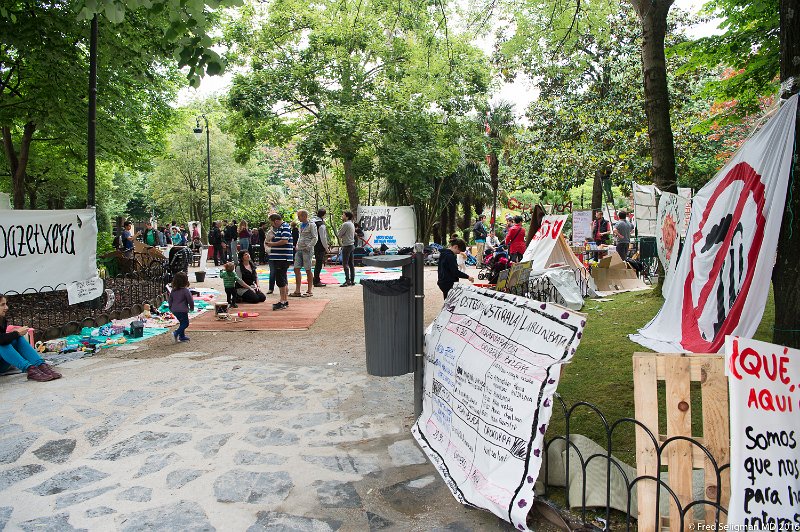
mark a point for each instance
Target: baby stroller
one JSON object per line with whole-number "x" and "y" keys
{"x": 494, "y": 262}
{"x": 178, "y": 261}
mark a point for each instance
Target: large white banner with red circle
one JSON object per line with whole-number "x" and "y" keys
{"x": 722, "y": 279}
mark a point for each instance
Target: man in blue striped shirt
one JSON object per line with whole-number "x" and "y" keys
{"x": 281, "y": 256}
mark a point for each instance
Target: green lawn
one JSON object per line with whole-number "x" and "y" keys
{"x": 601, "y": 371}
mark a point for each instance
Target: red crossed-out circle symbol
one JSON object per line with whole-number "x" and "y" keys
{"x": 753, "y": 190}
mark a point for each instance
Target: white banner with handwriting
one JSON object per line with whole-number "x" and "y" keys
{"x": 492, "y": 363}
{"x": 40, "y": 249}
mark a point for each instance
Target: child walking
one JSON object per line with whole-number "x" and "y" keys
{"x": 180, "y": 303}
{"x": 231, "y": 281}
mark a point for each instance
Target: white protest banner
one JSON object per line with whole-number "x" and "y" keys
{"x": 393, "y": 226}
{"x": 722, "y": 279}
{"x": 671, "y": 210}
{"x": 686, "y": 194}
{"x": 581, "y": 227}
{"x": 543, "y": 242}
{"x": 40, "y": 249}
{"x": 764, "y": 384}
{"x": 645, "y": 208}
{"x": 80, "y": 291}
{"x": 492, "y": 363}
{"x": 203, "y": 258}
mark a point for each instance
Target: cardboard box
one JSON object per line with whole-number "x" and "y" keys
{"x": 612, "y": 275}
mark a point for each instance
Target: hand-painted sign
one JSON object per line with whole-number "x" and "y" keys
{"x": 764, "y": 383}
{"x": 543, "y": 242}
{"x": 671, "y": 210}
{"x": 722, "y": 278}
{"x": 393, "y": 226}
{"x": 492, "y": 363}
{"x": 40, "y": 249}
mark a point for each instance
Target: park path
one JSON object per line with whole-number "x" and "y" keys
{"x": 240, "y": 433}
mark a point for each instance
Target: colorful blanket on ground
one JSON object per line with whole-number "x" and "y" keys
{"x": 335, "y": 274}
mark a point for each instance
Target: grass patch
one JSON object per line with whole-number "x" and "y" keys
{"x": 601, "y": 371}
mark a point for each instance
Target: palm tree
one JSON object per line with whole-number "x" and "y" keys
{"x": 499, "y": 124}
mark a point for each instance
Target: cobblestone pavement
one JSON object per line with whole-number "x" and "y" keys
{"x": 202, "y": 441}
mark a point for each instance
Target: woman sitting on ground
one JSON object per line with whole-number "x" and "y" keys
{"x": 16, "y": 351}
{"x": 247, "y": 272}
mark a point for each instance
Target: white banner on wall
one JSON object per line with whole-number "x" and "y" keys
{"x": 671, "y": 212}
{"x": 581, "y": 226}
{"x": 492, "y": 363}
{"x": 765, "y": 416}
{"x": 543, "y": 242}
{"x": 723, "y": 275}
{"x": 46, "y": 248}
{"x": 393, "y": 226}
{"x": 645, "y": 209}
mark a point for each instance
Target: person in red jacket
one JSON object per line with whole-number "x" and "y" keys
{"x": 515, "y": 240}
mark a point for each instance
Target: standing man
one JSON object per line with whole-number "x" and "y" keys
{"x": 600, "y": 227}
{"x": 321, "y": 247}
{"x": 515, "y": 240}
{"x": 281, "y": 254}
{"x": 149, "y": 236}
{"x": 232, "y": 239}
{"x": 215, "y": 241}
{"x": 127, "y": 240}
{"x": 480, "y": 232}
{"x": 449, "y": 274}
{"x": 622, "y": 231}
{"x": 347, "y": 239}
{"x": 306, "y": 240}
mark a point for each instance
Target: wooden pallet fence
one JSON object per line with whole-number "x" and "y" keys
{"x": 680, "y": 457}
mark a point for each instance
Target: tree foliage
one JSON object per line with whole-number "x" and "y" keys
{"x": 326, "y": 73}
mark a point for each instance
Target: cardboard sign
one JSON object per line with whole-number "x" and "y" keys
{"x": 80, "y": 291}
{"x": 46, "y": 249}
{"x": 581, "y": 227}
{"x": 764, "y": 384}
{"x": 543, "y": 242}
{"x": 492, "y": 363}
{"x": 393, "y": 226}
{"x": 723, "y": 275}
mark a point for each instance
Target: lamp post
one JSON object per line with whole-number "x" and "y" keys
{"x": 198, "y": 132}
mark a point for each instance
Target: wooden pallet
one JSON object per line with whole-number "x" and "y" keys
{"x": 680, "y": 457}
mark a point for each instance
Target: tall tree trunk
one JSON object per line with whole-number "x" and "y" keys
{"x": 18, "y": 162}
{"x": 653, "y": 15}
{"x": 479, "y": 207}
{"x": 443, "y": 234}
{"x": 350, "y": 184}
{"x": 494, "y": 177}
{"x": 451, "y": 218}
{"x": 597, "y": 190}
{"x": 786, "y": 274}
{"x": 466, "y": 223}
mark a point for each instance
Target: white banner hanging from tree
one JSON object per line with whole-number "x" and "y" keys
{"x": 765, "y": 414}
{"x": 393, "y": 226}
{"x": 722, "y": 278}
{"x": 41, "y": 249}
{"x": 492, "y": 363}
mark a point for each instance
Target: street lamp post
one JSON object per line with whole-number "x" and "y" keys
{"x": 198, "y": 132}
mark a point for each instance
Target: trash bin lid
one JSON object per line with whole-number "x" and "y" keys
{"x": 387, "y": 261}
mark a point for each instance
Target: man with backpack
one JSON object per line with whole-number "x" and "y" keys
{"x": 321, "y": 247}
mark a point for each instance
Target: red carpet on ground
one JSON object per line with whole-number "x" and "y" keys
{"x": 301, "y": 314}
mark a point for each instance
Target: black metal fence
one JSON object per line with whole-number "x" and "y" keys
{"x": 540, "y": 288}
{"x": 48, "y": 312}
{"x": 603, "y": 516}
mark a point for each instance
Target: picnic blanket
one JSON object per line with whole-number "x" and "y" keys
{"x": 335, "y": 274}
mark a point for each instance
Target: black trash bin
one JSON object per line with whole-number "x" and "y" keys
{"x": 387, "y": 326}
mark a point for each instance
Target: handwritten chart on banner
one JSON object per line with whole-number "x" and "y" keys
{"x": 581, "y": 226}
{"x": 543, "y": 242}
{"x": 492, "y": 363}
{"x": 764, "y": 383}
